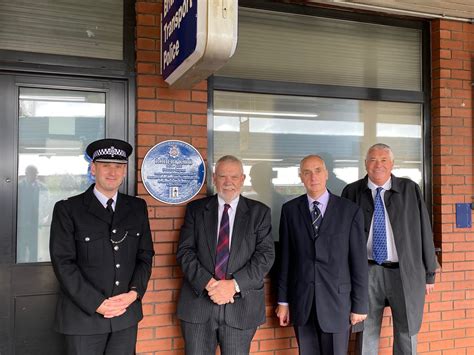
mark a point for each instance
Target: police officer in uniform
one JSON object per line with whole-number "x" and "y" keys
{"x": 101, "y": 249}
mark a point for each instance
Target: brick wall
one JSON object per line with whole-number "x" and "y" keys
{"x": 163, "y": 114}
{"x": 182, "y": 114}
{"x": 449, "y": 325}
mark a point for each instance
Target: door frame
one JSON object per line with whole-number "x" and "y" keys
{"x": 37, "y": 279}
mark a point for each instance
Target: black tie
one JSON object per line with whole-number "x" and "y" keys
{"x": 109, "y": 208}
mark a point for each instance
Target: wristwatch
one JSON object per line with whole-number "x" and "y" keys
{"x": 236, "y": 285}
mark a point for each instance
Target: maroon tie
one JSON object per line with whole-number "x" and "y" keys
{"x": 222, "y": 254}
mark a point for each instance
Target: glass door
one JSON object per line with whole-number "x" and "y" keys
{"x": 46, "y": 125}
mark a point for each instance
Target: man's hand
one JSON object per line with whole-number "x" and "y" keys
{"x": 221, "y": 292}
{"x": 429, "y": 288}
{"x": 117, "y": 305}
{"x": 110, "y": 309}
{"x": 211, "y": 284}
{"x": 357, "y": 318}
{"x": 283, "y": 313}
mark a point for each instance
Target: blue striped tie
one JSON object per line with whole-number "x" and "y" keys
{"x": 379, "y": 240}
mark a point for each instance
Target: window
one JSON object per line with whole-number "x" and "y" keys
{"x": 317, "y": 86}
{"x": 55, "y": 126}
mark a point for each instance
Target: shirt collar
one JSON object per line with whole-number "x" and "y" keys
{"x": 102, "y": 198}
{"x": 323, "y": 199}
{"x": 233, "y": 204}
{"x": 387, "y": 186}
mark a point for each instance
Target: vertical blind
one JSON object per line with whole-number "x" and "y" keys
{"x": 86, "y": 28}
{"x": 306, "y": 49}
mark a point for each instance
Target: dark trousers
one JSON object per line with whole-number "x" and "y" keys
{"x": 203, "y": 338}
{"x": 121, "y": 342}
{"x": 313, "y": 341}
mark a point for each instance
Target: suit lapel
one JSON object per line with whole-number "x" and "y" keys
{"x": 94, "y": 206}
{"x": 329, "y": 215}
{"x": 391, "y": 207}
{"x": 306, "y": 215}
{"x": 239, "y": 230}
{"x": 210, "y": 216}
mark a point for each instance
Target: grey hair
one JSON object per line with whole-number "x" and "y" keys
{"x": 312, "y": 156}
{"x": 229, "y": 158}
{"x": 381, "y": 146}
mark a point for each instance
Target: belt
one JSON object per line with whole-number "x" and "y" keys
{"x": 387, "y": 264}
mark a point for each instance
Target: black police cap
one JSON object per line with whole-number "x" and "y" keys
{"x": 109, "y": 150}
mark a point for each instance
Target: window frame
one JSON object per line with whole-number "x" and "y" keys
{"x": 334, "y": 91}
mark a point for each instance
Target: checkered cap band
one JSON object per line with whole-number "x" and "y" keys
{"x": 109, "y": 152}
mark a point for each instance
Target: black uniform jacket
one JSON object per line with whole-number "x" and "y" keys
{"x": 251, "y": 257}
{"x": 91, "y": 268}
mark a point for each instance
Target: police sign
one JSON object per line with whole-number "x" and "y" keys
{"x": 197, "y": 38}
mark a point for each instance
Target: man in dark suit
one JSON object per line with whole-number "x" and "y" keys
{"x": 400, "y": 251}
{"x": 101, "y": 250}
{"x": 322, "y": 284}
{"x": 225, "y": 250}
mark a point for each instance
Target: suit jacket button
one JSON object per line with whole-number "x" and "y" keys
{"x": 138, "y": 234}
{"x": 114, "y": 231}
{"x": 87, "y": 239}
{"x": 117, "y": 266}
{"x": 116, "y": 247}
{"x": 117, "y": 283}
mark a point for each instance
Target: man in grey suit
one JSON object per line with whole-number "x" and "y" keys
{"x": 225, "y": 250}
{"x": 400, "y": 250}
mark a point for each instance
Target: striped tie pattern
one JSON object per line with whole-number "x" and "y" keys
{"x": 316, "y": 218}
{"x": 222, "y": 254}
{"x": 379, "y": 241}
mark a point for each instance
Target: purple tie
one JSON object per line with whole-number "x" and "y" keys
{"x": 222, "y": 254}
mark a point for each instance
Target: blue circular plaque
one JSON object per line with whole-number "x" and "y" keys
{"x": 173, "y": 171}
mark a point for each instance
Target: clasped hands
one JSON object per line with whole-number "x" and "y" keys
{"x": 117, "y": 305}
{"x": 221, "y": 292}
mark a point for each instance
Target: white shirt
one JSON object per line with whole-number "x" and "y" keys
{"x": 392, "y": 255}
{"x": 231, "y": 212}
{"x": 103, "y": 199}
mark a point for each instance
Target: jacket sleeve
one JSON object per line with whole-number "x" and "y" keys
{"x": 358, "y": 265}
{"x": 62, "y": 248}
{"x": 259, "y": 264}
{"x": 194, "y": 272}
{"x": 428, "y": 251}
{"x": 144, "y": 258}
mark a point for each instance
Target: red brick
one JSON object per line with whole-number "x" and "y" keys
{"x": 450, "y": 25}
{"x": 168, "y": 332}
{"x": 442, "y": 344}
{"x": 164, "y": 260}
{"x": 148, "y": 8}
{"x": 146, "y": 20}
{"x": 154, "y": 345}
{"x": 146, "y": 92}
{"x": 150, "y": 44}
{"x": 173, "y": 117}
{"x": 274, "y": 344}
{"x": 191, "y": 107}
{"x": 146, "y": 68}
